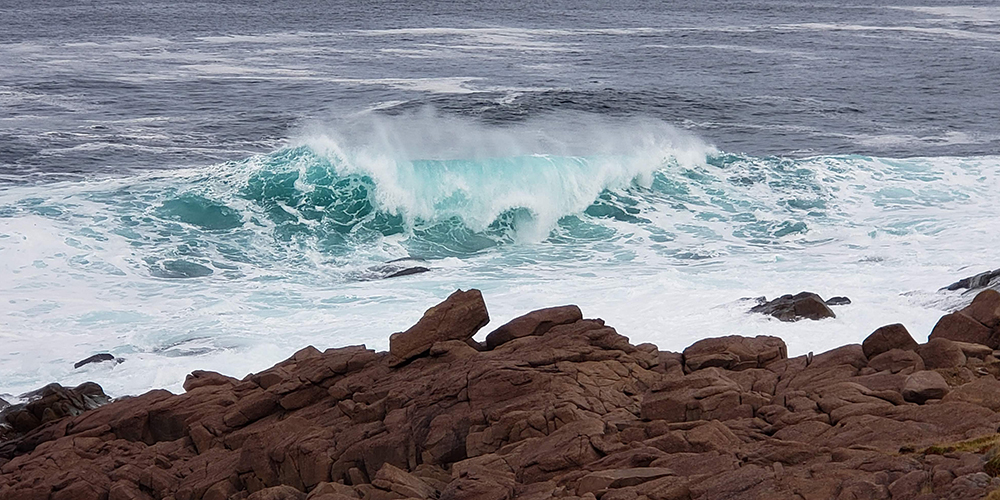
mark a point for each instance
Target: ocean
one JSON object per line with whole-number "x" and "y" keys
{"x": 215, "y": 185}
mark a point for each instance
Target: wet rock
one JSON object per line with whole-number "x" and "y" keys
{"x": 980, "y": 280}
{"x": 888, "y": 337}
{"x": 459, "y": 317}
{"x": 734, "y": 352}
{"x": 409, "y": 271}
{"x": 97, "y": 358}
{"x": 924, "y": 385}
{"x": 804, "y": 305}
{"x": 838, "y": 301}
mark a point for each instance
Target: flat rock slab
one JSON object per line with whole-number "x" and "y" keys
{"x": 534, "y": 323}
{"x": 734, "y": 352}
{"x": 620, "y": 478}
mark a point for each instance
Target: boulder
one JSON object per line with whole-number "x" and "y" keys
{"x": 838, "y": 301}
{"x": 534, "y": 323}
{"x": 941, "y": 353}
{"x": 897, "y": 361}
{"x": 985, "y": 308}
{"x": 958, "y": 326}
{"x": 888, "y": 337}
{"x": 795, "y": 307}
{"x": 734, "y": 352}
{"x": 202, "y": 378}
{"x": 924, "y": 385}
{"x": 459, "y": 317}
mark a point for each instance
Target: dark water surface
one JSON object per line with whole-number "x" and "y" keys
{"x": 103, "y": 86}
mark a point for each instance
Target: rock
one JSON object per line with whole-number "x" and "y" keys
{"x": 563, "y": 408}
{"x": 596, "y": 482}
{"x": 734, "y": 352}
{"x": 534, "y": 323}
{"x": 202, "y": 378}
{"x": 983, "y": 392}
{"x": 897, "y": 361}
{"x": 924, "y": 385}
{"x": 53, "y": 402}
{"x": 97, "y": 358}
{"x": 978, "y": 281}
{"x": 795, "y": 307}
{"x": 391, "y": 478}
{"x": 888, "y": 337}
{"x": 408, "y": 272}
{"x": 838, "y": 301}
{"x": 459, "y": 317}
{"x": 941, "y": 353}
{"x": 985, "y": 308}
{"x": 958, "y": 326}
{"x": 282, "y": 492}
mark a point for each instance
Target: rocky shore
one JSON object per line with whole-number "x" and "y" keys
{"x": 552, "y": 405}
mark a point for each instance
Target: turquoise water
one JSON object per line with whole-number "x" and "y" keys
{"x": 236, "y": 265}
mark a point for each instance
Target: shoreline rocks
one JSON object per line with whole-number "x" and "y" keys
{"x": 552, "y": 406}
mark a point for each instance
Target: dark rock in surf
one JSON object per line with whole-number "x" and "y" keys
{"x": 838, "y": 301}
{"x": 795, "y": 307}
{"x": 97, "y": 358}
{"x": 408, "y": 271}
{"x": 981, "y": 280}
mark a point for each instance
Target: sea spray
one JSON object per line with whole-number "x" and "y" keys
{"x": 233, "y": 266}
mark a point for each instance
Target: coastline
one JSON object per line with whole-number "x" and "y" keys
{"x": 551, "y": 405}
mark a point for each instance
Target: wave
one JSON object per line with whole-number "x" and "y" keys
{"x": 371, "y": 188}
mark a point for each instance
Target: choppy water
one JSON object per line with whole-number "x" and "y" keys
{"x": 195, "y": 185}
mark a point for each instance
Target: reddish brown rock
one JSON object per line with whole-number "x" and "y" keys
{"x": 983, "y": 392}
{"x": 459, "y": 317}
{"x": 899, "y": 361}
{"x": 734, "y": 352}
{"x": 958, "y": 326}
{"x": 985, "y": 308}
{"x": 570, "y": 410}
{"x": 534, "y": 323}
{"x": 888, "y": 337}
{"x": 924, "y": 385}
{"x": 942, "y": 353}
